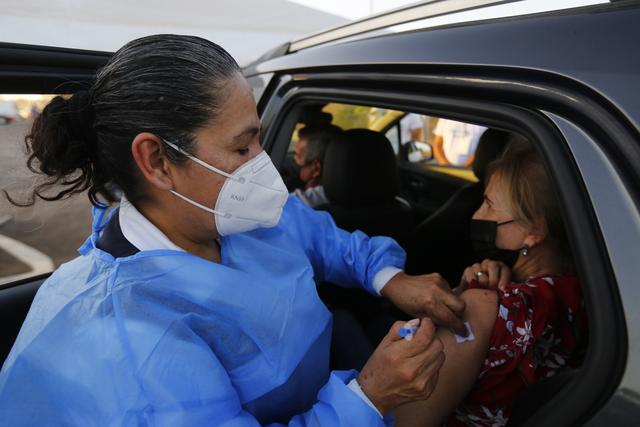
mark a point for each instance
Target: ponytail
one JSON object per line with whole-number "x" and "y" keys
{"x": 169, "y": 85}
{"x": 62, "y": 145}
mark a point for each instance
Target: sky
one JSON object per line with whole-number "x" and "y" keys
{"x": 353, "y": 9}
{"x": 357, "y": 9}
{"x": 246, "y": 28}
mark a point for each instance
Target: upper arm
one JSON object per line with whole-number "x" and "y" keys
{"x": 465, "y": 359}
{"x": 481, "y": 310}
{"x": 481, "y": 307}
{"x": 462, "y": 364}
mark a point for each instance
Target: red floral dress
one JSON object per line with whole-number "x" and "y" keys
{"x": 533, "y": 337}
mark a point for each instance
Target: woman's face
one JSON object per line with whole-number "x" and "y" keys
{"x": 495, "y": 207}
{"x": 229, "y": 142}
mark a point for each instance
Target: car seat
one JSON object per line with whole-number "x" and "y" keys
{"x": 360, "y": 178}
{"x": 441, "y": 242}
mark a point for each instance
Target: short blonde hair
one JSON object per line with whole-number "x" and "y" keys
{"x": 530, "y": 194}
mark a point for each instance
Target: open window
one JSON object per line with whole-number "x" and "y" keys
{"x": 417, "y": 141}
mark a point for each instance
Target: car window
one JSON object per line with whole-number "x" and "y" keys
{"x": 441, "y": 145}
{"x": 349, "y": 116}
{"x": 458, "y": 142}
{"x": 434, "y": 155}
{"x": 453, "y": 142}
{"x": 36, "y": 239}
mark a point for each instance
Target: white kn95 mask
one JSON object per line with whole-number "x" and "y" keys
{"x": 251, "y": 197}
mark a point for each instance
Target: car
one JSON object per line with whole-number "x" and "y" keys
{"x": 567, "y": 80}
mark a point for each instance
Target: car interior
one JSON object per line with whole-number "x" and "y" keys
{"x": 373, "y": 185}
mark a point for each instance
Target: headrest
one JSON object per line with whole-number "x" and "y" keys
{"x": 360, "y": 169}
{"x": 491, "y": 145}
{"x": 316, "y": 118}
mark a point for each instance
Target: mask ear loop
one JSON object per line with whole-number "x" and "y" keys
{"x": 200, "y": 162}
{"x": 203, "y": 164}
{"x": 194, "y": 203}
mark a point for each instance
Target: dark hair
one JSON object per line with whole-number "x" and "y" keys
{"x": 169, "y": 85}
{"x": 318, "y": 139}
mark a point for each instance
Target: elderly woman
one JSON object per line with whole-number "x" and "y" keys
{"x": 523, "y": 331}
{"x": 194, "y": 302}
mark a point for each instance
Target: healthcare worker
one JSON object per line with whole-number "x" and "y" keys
{"x": 193, "y": 302}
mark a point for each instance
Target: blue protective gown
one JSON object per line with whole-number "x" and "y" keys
{"x": 170, "y": 339}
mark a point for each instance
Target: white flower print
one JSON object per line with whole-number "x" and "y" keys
{"x": 525, "y": 335}
{"x": 503, "y": 312}
{"x": 487, "y": 418}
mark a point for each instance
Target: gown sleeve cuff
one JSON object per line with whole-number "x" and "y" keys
{"x": 354, "y": 386}
{"x": 350, "y": 408}
{"x": 383, "y": 276}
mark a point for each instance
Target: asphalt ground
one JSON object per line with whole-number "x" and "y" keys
{"x": 55, "y": 229}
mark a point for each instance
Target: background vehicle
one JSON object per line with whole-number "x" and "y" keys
{"x": 567, "y": 81}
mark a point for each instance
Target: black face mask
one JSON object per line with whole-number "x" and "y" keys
{"x": 483, "y": 239}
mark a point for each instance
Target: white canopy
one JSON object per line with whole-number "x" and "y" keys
{"x": 246, "y": 28}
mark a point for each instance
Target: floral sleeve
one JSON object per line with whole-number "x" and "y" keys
{"x": 533, "y": 337}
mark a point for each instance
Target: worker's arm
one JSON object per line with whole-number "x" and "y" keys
{"x": 346, "y": 259}
{"x": 191, "y": 387}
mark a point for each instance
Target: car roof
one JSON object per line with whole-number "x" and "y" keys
{"x": 423, "y": 15}
{"x": 584, "y": 45}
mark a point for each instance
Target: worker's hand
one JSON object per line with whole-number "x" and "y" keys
{"x": 489, "y": 274}
{"x": 428, "y": 295}
{"x": 401, "y": 371}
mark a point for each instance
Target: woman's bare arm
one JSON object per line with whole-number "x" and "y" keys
{"x": 461, "y": 367}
